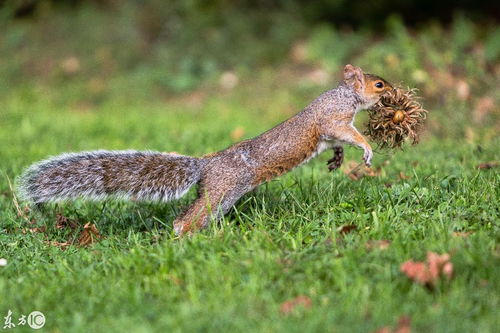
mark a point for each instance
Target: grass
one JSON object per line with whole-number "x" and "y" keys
{"x": 286, "y": 238}
{"x": 279, "y": 242}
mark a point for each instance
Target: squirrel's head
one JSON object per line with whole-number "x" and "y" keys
{"x": 368, "y": 86}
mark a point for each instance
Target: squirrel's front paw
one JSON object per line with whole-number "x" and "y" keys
{"x": 367, "y": 157}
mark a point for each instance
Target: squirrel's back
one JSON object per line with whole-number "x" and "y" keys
{"x": 97, "y": 174}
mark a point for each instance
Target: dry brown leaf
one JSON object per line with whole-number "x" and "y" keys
{"x": 61, "y": 245}
{"x": 317, "y": 76}
{"x": 70, "y": 65}
{"x": 462, "y": 234}
{"x": 175, "y": 279}
{"x": 34, "y": 230}
{"x": 483, "y": 107}
{"x": 382, "y": 244}
{"x": 298, "y": 53}
{"x": 463, "y": 89}
{"x": 64, "y": 222}
{"x": 345, "y": 229}
{"x": 356, "y": 171}
{"x": 447, "y": 270}
{"x": 96, "y": 85}
{"x": 429, "y": 272}
{"x": 488, "y": 165}
{"x": 237, "y": 133}
{"x": 402, "y": 176}
{"x": 228, "y": 80}
{"x": 416, "y": 271}
{"x": 89, "y": 235}
{"x": 385, "y": 329}
{"x": 470, "y": 135}
{"x": 404, "y": 326}
{"x": 436, "y": 264}
{"x": 290, "y": 305}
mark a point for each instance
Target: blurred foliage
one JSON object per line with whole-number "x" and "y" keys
{"x": 96, "y": 51}
{"x": 352, "y": 13}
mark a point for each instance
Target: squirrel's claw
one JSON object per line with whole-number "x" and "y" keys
{"x": 336, "y": 161}
{"x": 367, "y": 157}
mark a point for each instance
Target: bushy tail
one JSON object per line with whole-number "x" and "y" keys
{"x": 98, "y": 174}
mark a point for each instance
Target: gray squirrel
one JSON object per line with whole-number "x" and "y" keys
{"x": 224, "y": 176}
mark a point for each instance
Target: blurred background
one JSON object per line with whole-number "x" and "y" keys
{"x": 277, "y": 55}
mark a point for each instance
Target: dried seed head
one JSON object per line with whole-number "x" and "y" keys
{"x": 394, "y": 118}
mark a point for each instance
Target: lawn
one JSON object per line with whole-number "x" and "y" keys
{"x": 310, "y": 233}
{"x": 310, "y": 251}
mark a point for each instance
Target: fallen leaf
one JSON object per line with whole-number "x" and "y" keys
{"x": 175, "y": 279}
{"x": 64, "y": 222}
{"x": 290, "y": 305}
{"x": 429, "y": 272}
{"x": 228, "y": 80}
{"x": 61, "y": 245}
{"x": 382, "y": 244}
{"x": 403, "y": 325}
{"x": 463, "y": 89}
{"x": 392, "y": 60}
{"x": 83, "y": 106}
{"x": 298, "y": 53}
{"x": 483, "y": 283}
{"x": 70, "y": 65}
{"x": 373, "y": 172}
{"x": 34, "y": 230}
{"x": 488, "y": 165}
{"x": 462, "y": 234}
{"x": 385, "y": 329}
{"x": 345, "y": 229}
{"x": 436, "y": 263}
{"x": 402, "y": 176}
{"x": 470, "y": 135}
{"x": 96, "y": 85}
{"x": 237, "y": 133}
{"x": 89, "y": 235}
{"x": 416, "y": 271}
{"x": 317, "y": 76}
{"x": 447, "y": 270}
{"x": 483, "y": 107}
{"x": 356, "y": 171}
{"x": 194, "y": 99}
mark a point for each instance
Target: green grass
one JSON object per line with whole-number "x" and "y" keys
{"x": 279, "y": 242}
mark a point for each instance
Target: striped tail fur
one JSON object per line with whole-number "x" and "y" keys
{"x": 98, "y": 174}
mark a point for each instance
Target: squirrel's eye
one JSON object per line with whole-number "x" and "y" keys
{"x": 379, "y": 84}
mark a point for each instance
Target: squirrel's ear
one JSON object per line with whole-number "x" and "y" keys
{"x": 354, "y": 77}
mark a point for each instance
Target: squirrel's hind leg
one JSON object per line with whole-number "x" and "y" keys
{"x": 212, "y": 202}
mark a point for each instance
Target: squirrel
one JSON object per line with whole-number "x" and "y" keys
{"x": 224, "y": 176}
